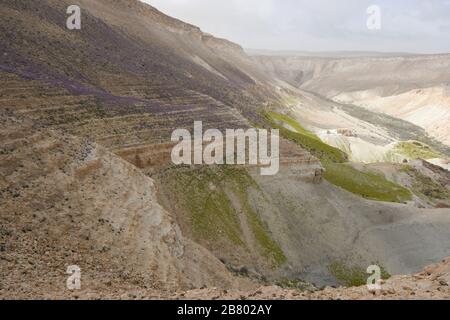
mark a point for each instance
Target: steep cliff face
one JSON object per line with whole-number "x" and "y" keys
{"x": 122, "y": 83}
{"x": 67, "y": 201}
{"x": 117, "y": 37}
{"x": 136, "y": 72}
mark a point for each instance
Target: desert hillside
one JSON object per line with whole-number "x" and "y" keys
{"x": 430, "y": 283}
{"x": 414, "y": 88}
{"x": 86, "y": 176}
{"x": 68, "y": 199}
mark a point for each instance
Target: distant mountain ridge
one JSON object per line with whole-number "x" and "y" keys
{"x": 325, "y": 54}
{"x": 370, "y": 81}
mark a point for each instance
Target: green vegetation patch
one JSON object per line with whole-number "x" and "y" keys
{"x": 204, "y": 191}
{"x": 296, "y": 284}
{"x": 305, "y": 138}
{"x": 211, "y": 212}
{"x": 290, "y": 100}
{"x": 425, "y": 187}
{"x": 415, "y": 150}
{"x": 269, "y": 248}
{"x": 353, "y": 276}
{"x": 368, "y": 185}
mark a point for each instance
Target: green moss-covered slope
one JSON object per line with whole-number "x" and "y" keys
{"x": 337, "y": 171}
{"x": 209, "y": 194}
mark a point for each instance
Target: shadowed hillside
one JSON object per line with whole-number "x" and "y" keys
{"x": 136, "y": 73}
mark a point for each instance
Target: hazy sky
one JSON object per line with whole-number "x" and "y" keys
{"x": 319, "y": 25}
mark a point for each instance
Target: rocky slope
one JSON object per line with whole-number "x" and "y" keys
{"x": 432, "y": 283}
{"x": 86, "y": 179}
{"x": 122, "y": 83}
{"x": 67, "y": 201}
{"x": 135, "y": 73}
